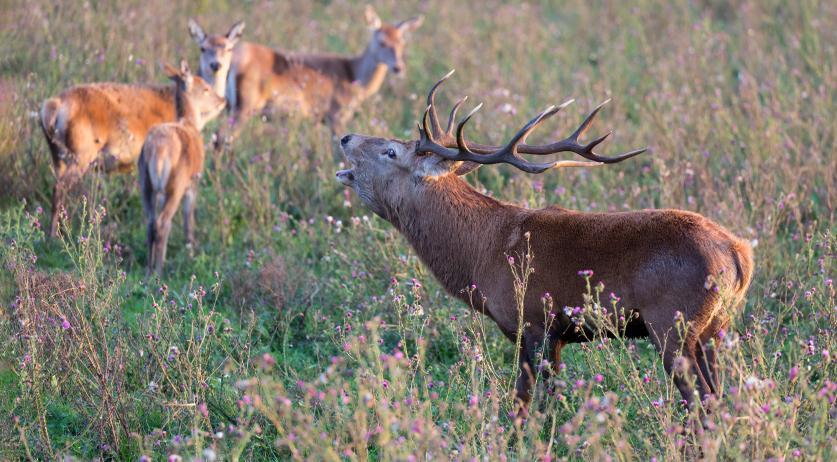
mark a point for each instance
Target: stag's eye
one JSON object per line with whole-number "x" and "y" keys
{"x": 389, "y": 153}
{"x": 203, "y": 50}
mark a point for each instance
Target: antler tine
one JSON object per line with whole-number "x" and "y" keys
{"x": 530, "y": 126}
{"x": 423, "y": 125}
{"x": 582, "y": 129}
{"x": 431, "y": 104}
{"x": 452, "y": 117}
{"x": 460, "y": 129}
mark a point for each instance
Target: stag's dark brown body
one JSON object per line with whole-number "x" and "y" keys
{"x": 657, "y": 261}
{"x": 668, "y": 266}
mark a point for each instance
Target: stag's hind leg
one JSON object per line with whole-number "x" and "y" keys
{"x": 679, "y": 353}
{"x": 707, "y": 358}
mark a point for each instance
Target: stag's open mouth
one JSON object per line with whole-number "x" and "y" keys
{"x": 347, "y": 176}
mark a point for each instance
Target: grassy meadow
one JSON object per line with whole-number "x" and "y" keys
{"x": 304, "y": 327}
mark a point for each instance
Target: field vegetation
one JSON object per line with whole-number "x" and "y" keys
{"x": 304, "y": 327}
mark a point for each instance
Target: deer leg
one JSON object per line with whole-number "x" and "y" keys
{"x": 556, "y": 355}
{"x": 151, "y": 239}
{"x": 189, "y": 198}
{"x": 529, "y": 372}
{"x": 707, "y": 356}
{"x": 147, "y": 196}
{"x": 67, "y": 176}
{"x": 163, "y": 228}
{"x": 57, "y": 203}
{"x": 701, "y": 381}
{"x": 682, "y": 367}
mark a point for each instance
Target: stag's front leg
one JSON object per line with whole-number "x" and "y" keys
{"x": 529, "y": 372}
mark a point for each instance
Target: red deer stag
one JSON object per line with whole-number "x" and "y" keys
{"x": 171, "y": 162}
{"x": 657, "y": 260}
{"x": 104, "y": 124}
{"x": 328, "y": 88}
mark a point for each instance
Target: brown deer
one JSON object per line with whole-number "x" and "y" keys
{"x": 171, "y": 162}
{"x": 104, "y": 124}
{"x": 328, "y": 88}
{"x": 659, "y": 261}
{"x": 216, "y": 53}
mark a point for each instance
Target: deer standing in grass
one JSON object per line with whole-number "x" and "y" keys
{"x": 658, "y": 261}
{"x": 171, "y": 162}
{"x": 328, "y": 88}
{"x": 104, "y": 124}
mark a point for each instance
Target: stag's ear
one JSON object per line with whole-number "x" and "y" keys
{"x": 235, "y": 32}
{"x": 466, "y": 167}
{"x": 196, "y": 31}
{"x": 409, "y": 25}
{"x": 372, "y": 18}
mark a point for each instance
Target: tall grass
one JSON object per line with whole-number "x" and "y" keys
{"x": 306, "y": 328}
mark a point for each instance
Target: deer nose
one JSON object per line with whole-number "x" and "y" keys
{"x": 345, "y": 140}
{"x": 215, "y": 66}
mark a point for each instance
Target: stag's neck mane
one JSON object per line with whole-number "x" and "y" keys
{"x": 368, "y": 72}
{"x": 442, "y": 221}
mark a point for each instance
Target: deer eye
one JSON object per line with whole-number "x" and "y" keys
{"x": 389, "y": 153}
{"x": 203, "y": 50}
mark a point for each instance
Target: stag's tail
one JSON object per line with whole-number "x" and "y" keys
{"x": 742, "y": 255}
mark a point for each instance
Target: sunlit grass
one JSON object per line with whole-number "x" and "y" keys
{"x": 305, "y": 327}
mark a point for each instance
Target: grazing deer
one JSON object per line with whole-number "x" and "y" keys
{"x": 328, "y": 88}
{"x": 659, "y": 261}
{"x": 171, "y": 162}
{"x": 104, "y": 124}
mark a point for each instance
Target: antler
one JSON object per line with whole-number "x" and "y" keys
{"x": 433, "y": 139}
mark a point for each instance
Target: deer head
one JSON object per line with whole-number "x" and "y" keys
{"x": 196, "y": 102}
{"x": 216, "y": 52}
{"x": 385, "y": 171}
{"x": 388, "y": 40}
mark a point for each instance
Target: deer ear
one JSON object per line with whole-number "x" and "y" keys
{"x": 466, "y": 167}
{"x": 409, "y": 25}
{"x": 235, "y": 32}
{"x": 171, "y": 71}
{"x": 186, "y": 73}
{"x": 196, "y": 31}
{"x": 372, "y": 18}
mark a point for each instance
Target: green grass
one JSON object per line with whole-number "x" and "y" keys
{"x": 280, "y": 358}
